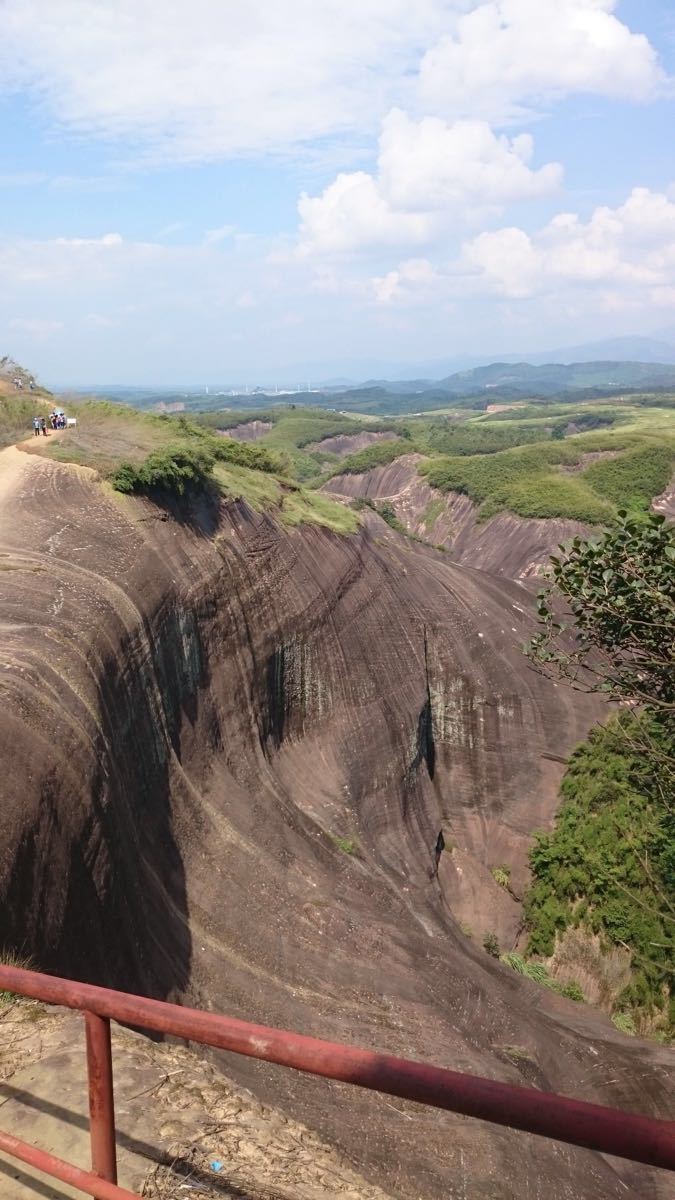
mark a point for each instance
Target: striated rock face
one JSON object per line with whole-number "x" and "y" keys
{"x": 248, "y": 431}
{"x": 227, "y": 754}
{"x": 348, "y": 443}
{"x": 505, "y": 545}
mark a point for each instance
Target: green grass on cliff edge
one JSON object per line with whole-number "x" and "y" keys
{"x": 157, "y": 454}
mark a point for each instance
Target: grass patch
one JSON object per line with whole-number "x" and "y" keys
{"x": 432, "y": 512}
{"x": 345, "y": 845}
{"x": 9, "y": 958}
{"x": 502, "y": 876}
{"x": 538, "y": 973}
{"x": 303, "y": 506}
{"x": 259, "y": 489}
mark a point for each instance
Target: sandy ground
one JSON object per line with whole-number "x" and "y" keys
{"x": 182, "y": 1129}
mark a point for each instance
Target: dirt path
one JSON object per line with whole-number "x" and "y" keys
{"x": 182, "y": 1128}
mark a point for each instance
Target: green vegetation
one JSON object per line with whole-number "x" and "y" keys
{"x": 171, "y": 470}
{"x": 302, "y": 505}
{"x": 346, "y": 845}
{"x": 521, "y": 480}
{"x": 624, "y": 1023}
{"x": 538, "y": 973}
{"x": 528, "y": 460}
{"x": 510, "y": 461}
{"x": 633, "y": 478}
{"x": 619, "y": 590}
{"x": 477, "y": 437}
{"x": 16, "y": 416}
{"x": 380, "y": 454}
{"x": 491, "y": 944}
{"x": 502, "y": 876}
{"x": 609, "y": 865}
{"x": 432, "y": 512}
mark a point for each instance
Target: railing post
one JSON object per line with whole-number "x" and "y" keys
{"x": 101, "y": 1102}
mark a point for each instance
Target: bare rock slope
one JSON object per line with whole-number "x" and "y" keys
{"x": 507, "y": 545}
{"x": 228, "y": 750}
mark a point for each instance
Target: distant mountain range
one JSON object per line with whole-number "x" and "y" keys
{"x": 545, "y": 378}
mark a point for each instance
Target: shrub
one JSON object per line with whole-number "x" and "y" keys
{"x": 491, "y": 944}
{"x": 243, "y": 454}
{"x": 573, "y": 991}
{"x": 171, "y": 470}
{"x": 624, "y": 1022}
{"x": 388, "y": 513}
{"x": 502, "y": 876}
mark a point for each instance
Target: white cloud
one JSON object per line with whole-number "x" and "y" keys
{"x": 430, "y": 174}
{"x": 108, "y": 239}
{"x": 351, "y": 214}
{"x": 209, "y": 79}
{"x": 430, "y": 165}
{"x": 221, "y": 234}
{"x": 411, "y": 279}
{"x": 631, "y": 247}
{"x": 35, "y": 327}
{"x": 506, "y": 53}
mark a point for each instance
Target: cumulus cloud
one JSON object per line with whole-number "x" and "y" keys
{"x": 508, "y": 53}
{"x": 632, "y": 247}
{"x": 413, "y": 278}
{"x": 429, "y": 174}
{"x": 208, "y": 79}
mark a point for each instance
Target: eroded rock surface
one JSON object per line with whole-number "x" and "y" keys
{"x": 228, "y": 750}
{"x": 508, "y": 545}
{"x": 348, "y": 443}
{"x": 248, "y": 431}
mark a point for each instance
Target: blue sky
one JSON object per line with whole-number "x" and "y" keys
{"x": 215, "y": 191}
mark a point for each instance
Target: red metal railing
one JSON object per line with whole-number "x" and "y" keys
{"x": 593, "y": 1126}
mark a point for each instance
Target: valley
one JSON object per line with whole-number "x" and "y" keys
{"x": 254, "y": 703}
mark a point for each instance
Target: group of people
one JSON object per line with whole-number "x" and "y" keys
{"x": 57, "y": 420}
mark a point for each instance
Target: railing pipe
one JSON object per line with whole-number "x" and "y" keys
{"x": 101, "y": 1101}
{"x": 626, "y": 1135}
{"x": 87, "y": 1182}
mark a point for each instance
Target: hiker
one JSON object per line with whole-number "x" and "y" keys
{"x": 43, "y": 425}
{"x": 52, "y": 420}
{"x": 36, "y": 426}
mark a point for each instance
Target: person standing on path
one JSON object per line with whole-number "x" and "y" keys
{"x": 36, "y": 426}
{"x": 43, "y": 425}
